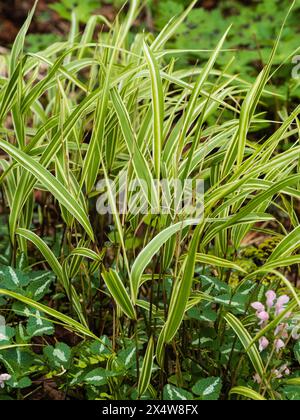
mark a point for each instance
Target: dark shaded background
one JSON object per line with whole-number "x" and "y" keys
{"x": 256, "y": 25}
{"x": 14, "y": 12}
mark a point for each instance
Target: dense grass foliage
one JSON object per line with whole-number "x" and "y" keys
{"x": 162, "y": 305}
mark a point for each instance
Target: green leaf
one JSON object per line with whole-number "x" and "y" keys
{"x": 119, "y": 293}
{"x": 60, "y": 355}
{"x": 17, "y": 360}
{"x": 172, "y": 393}
{"x": 57, "y": 269}
{"x": 38, "y": 326}
{"x": 208, "y": 389}
{"x": 218, "y": 262}
{"x": 206, "y": 71}
{"x": 6, "y": 334}
{"x": 51, "y": 183}
{"x": 181, "y": 292}
{"x": 13, "y": 279}
{"x": 98, "y": 377}
{"x": 286, "y": 246}
{"x": 17, "y": 49}
{"x": 127, "y": 357}
{"x": 102, "y": 349}
{"x": 140, "y": 164}
{"x": 39, "y": 285}
{"x": 19, "y": 383}
{"x": 151, "y": 249}
{"x": 247, "y": 392}
{"x": 62, "y": 318}
{"x": 246, "y": 340}
{"x": 291, "y": 392}
{"x": 171, "y": 28}
{"x": 146, "y": 371}
{"x": 158, "y": 108}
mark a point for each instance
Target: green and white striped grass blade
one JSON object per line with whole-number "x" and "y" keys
{"x": 188, "y": 116}
{"x": 157, "y": 106}
{"x": 246, "y": 340}
{"x": 237, "y": 148}
{"x": 95, "y": 148}
{"x": 57, "y": 269}
{"x": 116, "y": 216}
{"x": 10, "y": 91}
{"x": 146, "y": 255}
{"x": 17, "y": 48}
{"x": 119, "y": 293}
{"x": 170, "y": 29}
{"x": 146, "y": 371}
{"x": 51, "y": 183}
{"x": 139, "y": 162}
{"x": 218, "y": 262}
{"x": 246, "y": 392}
{"x": 182, "y": 290}
{"x": 68, "y": 322}
{"x": 289, "y": 244}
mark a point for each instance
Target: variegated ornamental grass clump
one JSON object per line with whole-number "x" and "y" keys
{"x": 85, "y": 110}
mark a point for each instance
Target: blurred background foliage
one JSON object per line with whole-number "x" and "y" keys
{"x": 255, "y": 26}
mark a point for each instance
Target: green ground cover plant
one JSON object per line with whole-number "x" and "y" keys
{"x": 155, "y": 305}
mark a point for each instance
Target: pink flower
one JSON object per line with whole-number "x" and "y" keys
{"x": 263, "y": 316}
{"x": 263, "y": 343}
{"x": 3, "y": 378}
{"x": 277, "y": 374}
{"x": 279, "y": 344}
{"x": 271, "y": 296}
{"x": 296, "y": 333}
{"x": 259, "y": 307}
{"x": 283, "y": 370}
{"x": 257, "y": 378}
{"x": 281, "y": 331}
{"x": 281, "y": 301}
